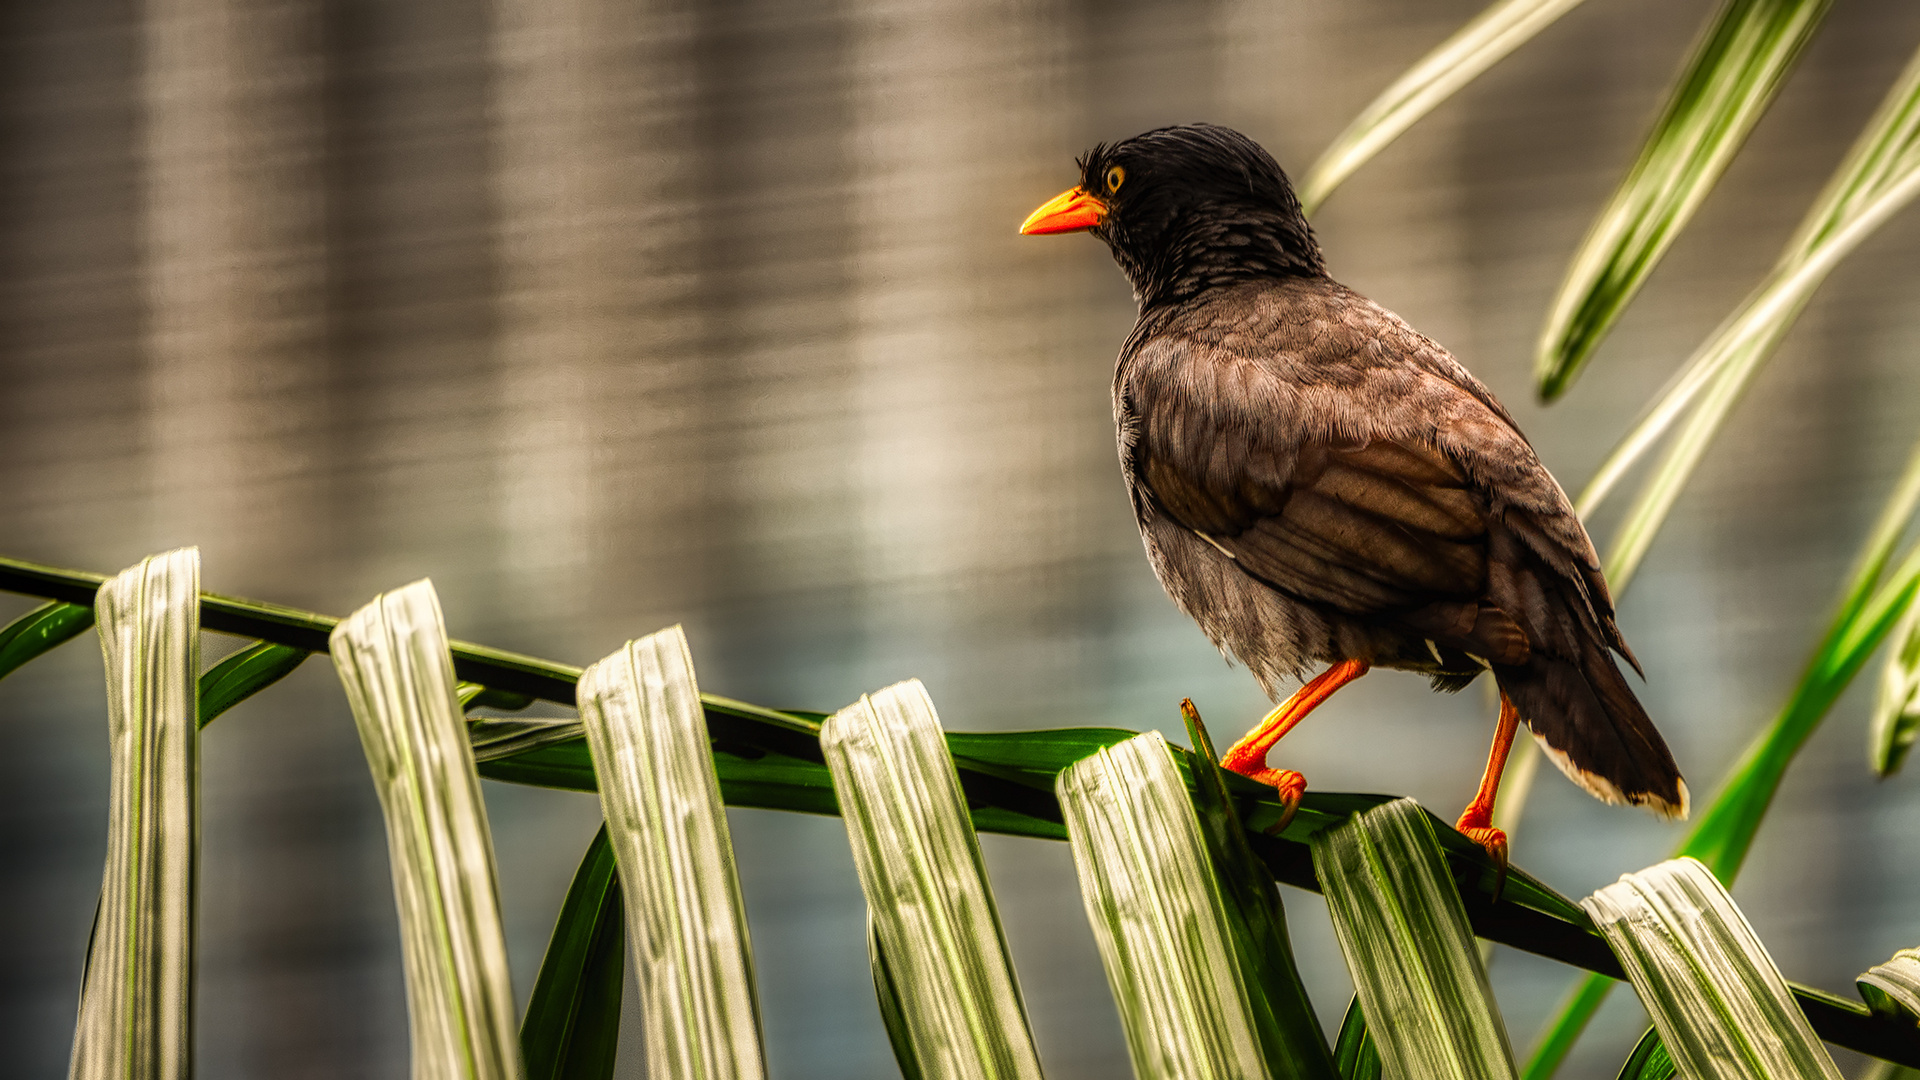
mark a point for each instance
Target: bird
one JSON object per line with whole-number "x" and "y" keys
{"x": 1322, "y": 487}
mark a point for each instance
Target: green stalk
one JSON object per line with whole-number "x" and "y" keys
{"x": 136, "y": 1003}
{"x": 1732, "y": 76}
{"x": 940, "y": 950}
{"x": 1475, "y": 47}
{"x": 692, "y": 957}
{"x": 1718, "y": 1001}
{"x": 393, "y": 661}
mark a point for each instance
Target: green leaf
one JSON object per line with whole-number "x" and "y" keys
{"x": 1853, "y": 204}
{"x": 925, "y": 881}
{"x": 137, "y": 997}
{"x": 892, "y": 1012}
{"x": 1893, "y": 988}
{"x": 1290, "y": 1035}
{"x": 1735, "y": 70}
{"x": 572, "y": 1027}
{"x": 1158, "y": 915}
{"x": 1869, "y": 605}
{"x": 1353, "y": 1052}
{"x": 40, "y": 631}
{"x": 1896, "y": 709}
{"x": 1649, "y": 1060}
{"x": 641, "y": 713}
{"x": 1475, "y": 47}
{"x": 475, "y": 695}
{"x": 245, "y": 674}
{"x": 1721, "y": 1007}
{"x": 393, "y": 659}
{"x": 1409, "y": 947}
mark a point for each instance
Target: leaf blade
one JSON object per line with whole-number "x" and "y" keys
{"x": 40, "y": 631}
{"x": 1725, "y": 87}
{"x": 245, "y": 674}
{"x": 571, "y": 1030}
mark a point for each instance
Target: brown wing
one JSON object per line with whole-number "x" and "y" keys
{"x": 1388, "y": 525}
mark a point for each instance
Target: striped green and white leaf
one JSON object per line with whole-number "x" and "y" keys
{"x": 1879, "y": 176}
{"x": 1896, "y": 710}
{"x": 1409, "y": 947}
{"x": 136, "y": 1002}
{"x": 940, "y": 950}
{"x": 1501, "y": 28}
{"x": 1158, "y": 916}
{"x": 1895, "y": 985}
{"x": 392, "y": 659}
{"x": 640, "y": 708}
{"x": 1736, "y": 68}
{"x": 1869, "y": 607}
{"x": 1721, "y": 1007}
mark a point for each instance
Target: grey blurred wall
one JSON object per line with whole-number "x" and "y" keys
{"x": 610, "y": 315}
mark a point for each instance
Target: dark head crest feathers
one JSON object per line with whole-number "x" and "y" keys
{"x": 1194, "y": 206}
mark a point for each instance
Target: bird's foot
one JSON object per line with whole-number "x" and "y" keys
{"x": 1477, "y": 828}
{"x": 1291, "y": 786}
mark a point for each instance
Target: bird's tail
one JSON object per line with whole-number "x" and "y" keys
{"x": 1587, "y": 719}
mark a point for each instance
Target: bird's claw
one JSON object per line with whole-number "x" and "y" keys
{"x": 1495, "y": 842}
{"x": 1291, "y": 786}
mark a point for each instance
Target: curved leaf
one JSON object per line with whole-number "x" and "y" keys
{"x": 245, "y": 674}
{"x": 40, "y": 631}
{"x": 1649, "y": 1060}
{"x": 1353, "y": 1052}
{"x": 893, "y": 1014}
{"x": 572, "y": 1027}
{"x": 1475, "y": 47}
{"x": 1896, "y": 710}
{"x": 1734, "y": 72}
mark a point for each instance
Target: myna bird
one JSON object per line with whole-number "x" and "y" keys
{"x": 1319, "y": 484}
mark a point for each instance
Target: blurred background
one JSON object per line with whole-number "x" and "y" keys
{"x": 609, "y": 315}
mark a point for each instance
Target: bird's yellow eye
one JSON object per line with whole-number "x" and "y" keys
{"x": 1115, "y": 177}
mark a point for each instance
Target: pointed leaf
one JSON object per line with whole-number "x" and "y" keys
{"x": 1290, "y": 1035}
{"x": 1158, "y": 915}
{"x": 39, "y": 631}
{"x": 926, "y": 887}
{"x": 1731, "y": 78}
{"x": 245, "y": 674}
{"x": 572, "y": 1027}
{"x": 1501, "y": 28}
{"x": 893, "y": 1011}
{"x": 1722, "y": 1009}
{"x": 1649, "y": 1060}
{"x": 393, "y": 660}
{"x": 1896, "y": 710}
{"x": 1409, "y": 947}
{"x": 137, "y": 999}
{"x": 1353, "y": 1052}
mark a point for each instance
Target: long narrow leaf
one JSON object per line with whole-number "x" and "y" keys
{"x": 1885, "y": 153}
{"x": 572, "y": 1027}
{"x": 136, "y": 1003}
{"x": 1290, "y": 1035}
{"x": 39, "y": 631}
{"x": 1158, "y": 916}
{"x": 893, "y": 1008}
{"x": 1896, "y": 710}
{"x": 1649, "y": 1060}
{"x": 1722, "y": 1009}
{"x": 1731, "y": 78}
{"x": 1501, "y": 28}
{"x": 926, "y": 886}
{"x": 245, "y": 674}
{"x": 392, "y": 659}
{"x": 640, "y": 708}
{"x": 1869, "y": 606}
{"x": 1353, "y": 1052}
{"x": 1409, "y": 947}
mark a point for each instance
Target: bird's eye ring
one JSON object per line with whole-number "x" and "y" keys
{"x": 1115, "y": 177}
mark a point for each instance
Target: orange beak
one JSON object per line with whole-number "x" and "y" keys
{"x": 1072, "y": 210}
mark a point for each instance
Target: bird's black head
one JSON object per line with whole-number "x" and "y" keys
{"x": 1185, "y": 209}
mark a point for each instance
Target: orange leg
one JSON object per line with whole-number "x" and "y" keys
{"x": 1477, "y": 821}
{"x": 1248, "y": 757}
